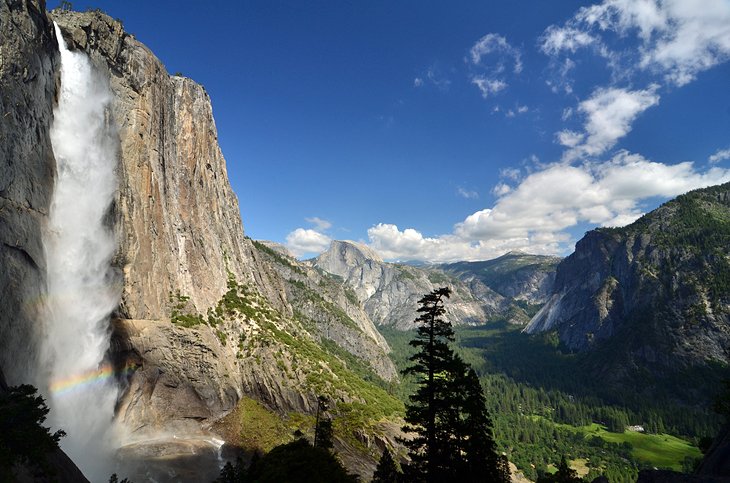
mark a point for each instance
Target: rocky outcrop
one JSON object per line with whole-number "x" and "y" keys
{"x": 28, "y": 73}
{"x": 181, "y": 377}
{"x": 390, "y": 292}
{"x": 657, "y": 289}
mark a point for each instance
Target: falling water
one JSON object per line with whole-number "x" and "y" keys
{"x": 82, "y": 287}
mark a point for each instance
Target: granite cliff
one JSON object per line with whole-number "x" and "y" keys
{"x": 651, "y": 295}
{"x": 28, "y": 74}
{"x": 207, "y": 317}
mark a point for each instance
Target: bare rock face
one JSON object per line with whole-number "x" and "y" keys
{"x": 28, "y": 71}
{"x": 178, "y": 218}
{"x": 181, "y": 377}
{"x": 390, "y": 292}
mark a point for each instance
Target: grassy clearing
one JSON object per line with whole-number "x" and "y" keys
{"x": 660, "y": 450}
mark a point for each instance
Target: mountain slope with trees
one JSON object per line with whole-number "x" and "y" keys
{"x": 652, "y": 296}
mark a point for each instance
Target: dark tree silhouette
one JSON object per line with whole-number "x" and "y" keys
{"x": 386, "y": 471}
{"x": 427, "y": 407}
{"x": 482, "y": 462}
{"x": 447, "y": 415}
{"x": 323, "y": 433}
{"x": 23, "y": 438}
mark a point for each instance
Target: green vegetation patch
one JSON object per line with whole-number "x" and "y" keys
{"x": 277, "y": 257}
{"x": 660, "y": 450}
{"x": 260, "y": 428}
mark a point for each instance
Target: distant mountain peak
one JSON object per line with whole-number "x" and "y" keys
{"x": 352, "y": 250}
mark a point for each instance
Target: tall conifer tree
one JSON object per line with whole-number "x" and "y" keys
{"x": 447, "y": 414}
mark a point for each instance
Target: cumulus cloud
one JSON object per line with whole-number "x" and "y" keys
{"x": 678, "y": 39}
{"x": 302, "y": 241}
{"x": 608, "y": 114}
{"x": 720, "y": 155}
{"x": 534, "y": 216}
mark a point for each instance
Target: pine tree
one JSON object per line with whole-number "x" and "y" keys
{"x": 323, "y": 432}
{"x": 427, "y": 407}
{"x": 483, "y": 463}
{"x": 387, "y": 471}
{"x": 447, "y": 414}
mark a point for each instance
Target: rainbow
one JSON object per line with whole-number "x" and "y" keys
{"x": 78, "y": 382}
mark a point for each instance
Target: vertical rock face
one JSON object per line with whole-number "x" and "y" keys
{"x": 179, "y": 232}
{"x": 182, "y": 247}
{"x": 28, "y": 65}
{"x": 179, "y": 223}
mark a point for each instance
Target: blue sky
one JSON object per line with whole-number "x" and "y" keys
{"x": 442, "y": 131}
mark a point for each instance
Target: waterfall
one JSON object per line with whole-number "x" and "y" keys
{"x": 83, "y": 289}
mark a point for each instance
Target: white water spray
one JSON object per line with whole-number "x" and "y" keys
{"x": 82, "y": 287}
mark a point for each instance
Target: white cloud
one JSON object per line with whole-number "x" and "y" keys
{"x": 488, "y": 86}
{"x": 558, "y": 39}
{"x": 510, "y": 173}
{"x": 517, "y": 111}
{"x": 302, "y": 241}
{"x": 417, "y": 82}
{"x": 534, "y": 215}
{"x": 490, "y": 75}
{"x": 434, "y": 76}
{"x": 720, "y": 155}
{"x": 501, "y": 189}
{"x": 569, "y": 138}
{"x": 678, "y": 39}
{"x": 496, "y": 44}
{"x": 319, "y": 223}
{"x": 468, "y": 194}
{"x": 608, "y": 114}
